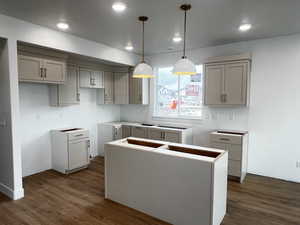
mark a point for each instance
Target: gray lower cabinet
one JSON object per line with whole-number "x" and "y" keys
{"x": 237, "y": 147}
{"x": 41, "y": 70}
{"x": 67, "y": 93}
{"x": 126, "y": 131}
{"x": 139, "y": 132}
{"x": 175, "y": 136}
{"x": 155, "y": 134}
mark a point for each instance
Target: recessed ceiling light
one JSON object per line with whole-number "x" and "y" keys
{"x": 119, "y": 6}
{"x": 245, "y": 27}
{"x": 63, "y": 26}
{"x": 177, "y": 39}
{"x": 129, "y": 47}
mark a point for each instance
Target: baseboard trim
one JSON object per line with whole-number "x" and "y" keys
{"x": 13, "y": 194}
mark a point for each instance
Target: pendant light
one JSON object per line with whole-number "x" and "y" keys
{"x": 143, "y": 70}
{"x": 184, "y": 66}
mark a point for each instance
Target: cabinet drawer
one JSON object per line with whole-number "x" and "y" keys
{"x": 234, "y": 168}
{"x": 78, "y": 135}
{"x": 226, "y": 138}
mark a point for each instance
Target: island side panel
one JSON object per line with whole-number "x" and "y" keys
{"x": 174, "y": 189}
{"x": 219, "y": 187}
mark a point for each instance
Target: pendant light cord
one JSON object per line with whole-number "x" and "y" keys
{"x": 143, "y": 44}
{"x": 184, "y": 37}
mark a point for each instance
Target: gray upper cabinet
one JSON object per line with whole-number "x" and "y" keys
{"x": 106, "y": 95}
{"x": 214, "y": 84}
{"x": 67, "y": 93}
{"x": 235, "y": 83}
{"x": 138, "y": 91}
{"x": 91, "y": 78}
{"x": 41, "y": 70}
{"x": 121, "y": 88}
{"x": 226, "y": 82}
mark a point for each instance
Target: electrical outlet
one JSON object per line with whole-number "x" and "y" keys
{"x": 298, "y": 164}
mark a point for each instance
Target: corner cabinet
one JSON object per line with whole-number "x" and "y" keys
{"x": 68, "y": 93}
{"x": 41, "y": 70}
{"x": 227, "y": 82}
{"x": 90, "y": 78}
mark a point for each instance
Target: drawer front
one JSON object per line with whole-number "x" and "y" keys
{"x": 234, "y": 168}
{"x": 234, "y": 151}
{"x": 225, "y": 138}
{"x": 78, "y": 135}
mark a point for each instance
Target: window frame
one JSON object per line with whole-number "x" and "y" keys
{"x": 157, "y": 116}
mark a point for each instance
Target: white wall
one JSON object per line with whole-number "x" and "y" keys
{"x": 38, "y": 118}
{"x": 10, "y": 161}
{"x": 17, "y": 30}
{"x": 273, "y": 116}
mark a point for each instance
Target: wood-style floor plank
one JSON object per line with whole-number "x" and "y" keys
{"x": 78, "y": 199}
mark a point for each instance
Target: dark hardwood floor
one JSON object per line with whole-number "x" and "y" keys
{"x": 54, "y": 199}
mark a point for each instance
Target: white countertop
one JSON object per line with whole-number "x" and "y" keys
{"x": 155, "y": 126}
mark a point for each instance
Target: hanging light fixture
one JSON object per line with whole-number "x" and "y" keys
{"x": 143, "y": 70}
{"x": 184, "y": 66}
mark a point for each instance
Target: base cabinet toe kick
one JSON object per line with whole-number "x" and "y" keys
{"x": 177, "y": 183}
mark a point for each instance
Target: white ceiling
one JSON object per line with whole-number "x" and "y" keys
{"x": 210, "y": 22}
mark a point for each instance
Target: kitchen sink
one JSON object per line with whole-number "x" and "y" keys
{"x": 181, "y": 128}
{"x": 147, "y": 124}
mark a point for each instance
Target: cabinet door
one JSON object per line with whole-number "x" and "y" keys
{"x": 139, "y": 132}
{"x": 214, "y": 75}
{"x": 108, "y": 88}
{"x": 121, "y": 88}
{"x": 85, "y": 78}
{"x": 171, "y": 137}
{"x": 235, "y": 83}
{"x": 135, "y": 94}
{"x": 97, "y": 79}
{"x": 126, "y": 131}
{"x": 155, "y": 134}
{"x": 69, "y": 91}
{"x": 29, "y": 68}
{"x": 54, "y": 71}
{"x": 78, "y": 154}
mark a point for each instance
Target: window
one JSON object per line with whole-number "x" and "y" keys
{"x": 178, "y": 96}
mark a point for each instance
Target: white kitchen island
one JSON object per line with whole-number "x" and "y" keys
{"x": 177, "y": 183}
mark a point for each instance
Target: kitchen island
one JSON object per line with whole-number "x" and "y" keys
{"x": 180, "y": 184}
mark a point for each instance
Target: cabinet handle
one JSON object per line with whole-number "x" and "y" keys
{"x": 225, "y": 97}
{"x": 45, "y": 72}
{"x": 224, "y": 139}
{"x": 222, "y": 97}
{"x": 78, "y": 96}
{"x": 41, "y": 72}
